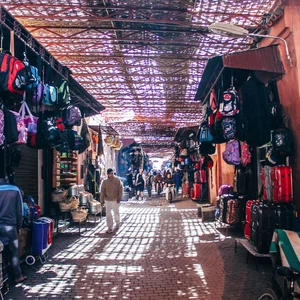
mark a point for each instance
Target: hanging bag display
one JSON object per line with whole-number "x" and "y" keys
{"x": 282, "y": 141}
{"x": 231, "y": 154}
{"x": 14, "y": 74}
{"x": 30, "y": 121}
{"x": 229, "y": 128}
{"x": 230, "y": 103}
{"x": 63, "y": 93}
{"x": 49, "y": 95}
{"x": 245, "y": 153}
{"x": 71, "y": 116}
{"x": 204, "y": 134}
{"x": 10, "y": 126}
{"x": 22, "y": 139}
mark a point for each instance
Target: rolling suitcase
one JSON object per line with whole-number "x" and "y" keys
{"x": 203, "y": 176}
{"x": 197, "y": 177}
{"x": 197, "y": 191}
{"x": 263, "y": 224}
{"x": 247, "y": 228}
{"x": 223, "y": 207}
{"x": 192, "y": 193}
{"x": 233, "y": 212}
{"x": 282, "y": 184}
{"x": 285, "y": 216}
{"x": 267, "y": 183}
{"x": 184, "y": 189}
{"x": 39, "y": 237}
{"x": 242, "y": 204}
{"x": 204, "y": 192}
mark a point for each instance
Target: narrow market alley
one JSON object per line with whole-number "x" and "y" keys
{"x": 161, "y": 251}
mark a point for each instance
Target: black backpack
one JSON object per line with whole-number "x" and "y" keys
{"x": 282, "y": 141}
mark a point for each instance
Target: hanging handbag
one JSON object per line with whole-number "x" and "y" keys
{"x": 204, "y": 133}
{"x": 30, "y": 121}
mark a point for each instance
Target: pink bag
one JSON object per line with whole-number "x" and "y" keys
{"x": 22, "y": 138}
{"x": 245, "y": 154}
{"x": 30, "y": 121}
{"x": 25, "y": 124}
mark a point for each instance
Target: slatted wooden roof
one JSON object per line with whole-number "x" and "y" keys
{"x": 143, "y": 60}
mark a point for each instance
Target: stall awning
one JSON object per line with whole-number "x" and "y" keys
{"x": 185, "y": 133}
{"x": 264, "y": 59}
{"x": 108, "y": 130}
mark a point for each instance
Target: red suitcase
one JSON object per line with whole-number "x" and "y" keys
{"x": 282, "y": 184}
{"x": 191, "y": 193}
{"x": 188, "y": 189}
{"x": 197, "y": 178}
{"x": 184, "y": 189}
{"x": 197, "y": 191}
{"x": 203, "y": 176}
{"x": 247, "y": 229}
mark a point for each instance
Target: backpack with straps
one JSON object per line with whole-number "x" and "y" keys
{"x": 230, "y": 103}
{"x": 50, "y": 95}
{"x": 72, "y": 116}
{"x": 14, "y": 74}
{"x": 282, "y": 141}
{"x": 63, "y": 93}
{"x": 231, "y": 154}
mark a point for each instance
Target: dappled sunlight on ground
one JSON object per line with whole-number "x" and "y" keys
{"x": 161, "y": 251}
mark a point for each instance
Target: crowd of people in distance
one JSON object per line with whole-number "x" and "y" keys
{"x": 139, "y": 181}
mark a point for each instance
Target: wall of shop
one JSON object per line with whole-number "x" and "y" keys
{"x": 288, "y": 27}
{"x": 222, "y": 173}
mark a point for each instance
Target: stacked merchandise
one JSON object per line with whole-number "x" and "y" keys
{"x": 194, "y": 167}
{"x": 228, "y": 210}
{"x": 45, "y": 117}
{"x": 276, "y": 209}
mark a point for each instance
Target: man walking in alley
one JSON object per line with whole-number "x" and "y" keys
{"x": 111, "y": 194}
{"x": 10, "y": 222}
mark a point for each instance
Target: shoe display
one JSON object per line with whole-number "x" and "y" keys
{"x": 109, "y": 230}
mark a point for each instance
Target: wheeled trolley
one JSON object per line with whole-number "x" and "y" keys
{"x": 41, "y": 240}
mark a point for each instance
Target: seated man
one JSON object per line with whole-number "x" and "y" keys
{"x": 169, "y": 184}
{"x": 158, "y": 178}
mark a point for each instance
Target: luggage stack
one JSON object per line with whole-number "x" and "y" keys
{"x": 233, "y": 212}
{"x": 275, "y": 211}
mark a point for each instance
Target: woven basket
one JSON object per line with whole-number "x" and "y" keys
{"x": 65, "y": 206}
{"x": 74, "y": 202}
{"x": 57, "y": 196}
{"x": 79, "y": 215}
{"x": 65, "y": 193}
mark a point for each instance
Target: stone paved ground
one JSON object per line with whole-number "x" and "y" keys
{"x": 162, "y": 251}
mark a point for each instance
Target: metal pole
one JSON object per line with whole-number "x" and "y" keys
{"x": 275, "y": 37}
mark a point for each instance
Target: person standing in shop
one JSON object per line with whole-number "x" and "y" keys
{"x": 11, "y": 219}
{"x": 177, "y": 178}
{"x": 111, "y": 192}
{"x": 149, "y": 183}
{"x": 140, "y": 184}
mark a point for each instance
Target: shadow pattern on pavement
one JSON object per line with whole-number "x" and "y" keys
{"x": 161, "y": 251}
